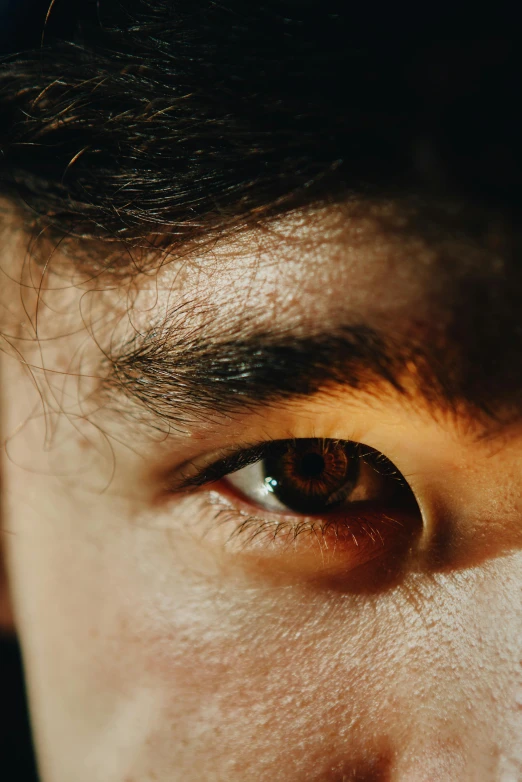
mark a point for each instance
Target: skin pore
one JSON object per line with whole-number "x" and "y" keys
{"x": 159, "y": 643}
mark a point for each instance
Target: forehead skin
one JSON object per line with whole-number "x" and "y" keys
{"x": 438, "y": 306}
{"x": 152, "y": 655}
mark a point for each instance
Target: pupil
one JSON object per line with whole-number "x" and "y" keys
{"x": 312, "y": 465}
{"x": 311, "y": 475}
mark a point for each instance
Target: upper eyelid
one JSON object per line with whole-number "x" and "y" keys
{"x": 243, "y": 457}
{"x": 232, "y": 462}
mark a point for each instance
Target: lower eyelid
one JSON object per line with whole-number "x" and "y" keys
{"x": 308, "y": 546}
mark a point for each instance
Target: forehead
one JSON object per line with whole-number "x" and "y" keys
{"x": 381, "y": 262}
{"x": 418, "y": 291}
{"x": 442, "y": 284}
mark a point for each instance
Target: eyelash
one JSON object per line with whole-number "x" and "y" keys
{"x": 244, "y": 457}
{"x": 225, "y": 465}
{"x": 367, "y": 531}
{"x": 249, "y": 527}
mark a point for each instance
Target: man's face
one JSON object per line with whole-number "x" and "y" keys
{"x": 179, "y": 624}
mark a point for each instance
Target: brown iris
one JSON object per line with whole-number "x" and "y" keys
{"x": 311, "y": 475}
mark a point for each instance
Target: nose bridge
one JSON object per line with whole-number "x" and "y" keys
{"x": 453, "y": 701}
{"x": 449, "y": 760}
{"x": 442, "y": 759}
{"x": 462, "y": 727}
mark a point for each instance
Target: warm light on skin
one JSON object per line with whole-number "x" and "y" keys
{"x": 444, "y": 465}
{"x": 154, "y": 652}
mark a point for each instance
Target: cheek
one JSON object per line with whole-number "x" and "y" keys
{"x": 144, "y": 660}
{"x": 270, "y": 684}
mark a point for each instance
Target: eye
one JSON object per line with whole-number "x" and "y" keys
{"x": 320, "y": 477}
{"x": 323, "y": 506}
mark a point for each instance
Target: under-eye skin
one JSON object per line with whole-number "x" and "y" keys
{"x": 324, "y": 502}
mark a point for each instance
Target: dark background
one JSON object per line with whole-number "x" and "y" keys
{"x": 16, "y": 752}
{"x": 22, "y": 22}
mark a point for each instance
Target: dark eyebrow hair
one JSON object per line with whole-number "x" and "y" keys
{"x": 182, "y": 373}
{"x": 196, "y": 376}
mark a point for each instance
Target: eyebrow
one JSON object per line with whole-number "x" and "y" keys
{"x": 182, "y": 373}
{"x": 179, "y": 378}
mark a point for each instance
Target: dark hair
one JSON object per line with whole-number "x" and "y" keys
{"x": 133, "y": 119}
